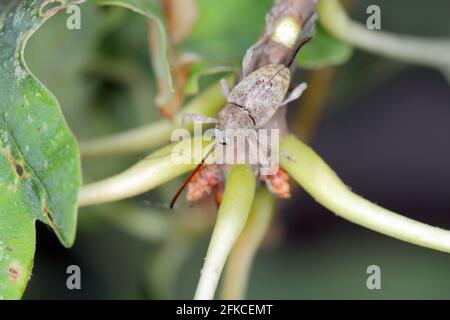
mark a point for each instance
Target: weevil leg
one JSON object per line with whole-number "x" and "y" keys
{"x": 295, "y": 94}
{"x": 196, "y": 118}
{"x": 225, "y": 87}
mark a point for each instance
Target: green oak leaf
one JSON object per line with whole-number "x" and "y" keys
{"x": 324, "y": 50}
{"x": 152, "y": 9}
{"x": 39, "y": 159}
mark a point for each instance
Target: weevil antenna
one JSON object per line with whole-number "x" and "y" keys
{"x": 306, "y": 35}
{"x": 197, "y": 169}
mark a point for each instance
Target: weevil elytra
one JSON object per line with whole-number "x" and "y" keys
{"x": 254, "y": 100}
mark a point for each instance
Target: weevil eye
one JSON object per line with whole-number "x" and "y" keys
{"x": 223, "y": 143}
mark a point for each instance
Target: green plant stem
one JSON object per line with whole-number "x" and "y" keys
{"x": 241, "y": 258}
{"x": 145, "y": 175}
{"x": 231, "y": 219}
{"x": 155, "y": 134}
{"x": 321, "y": 182}
{"x": 424, "y": 51}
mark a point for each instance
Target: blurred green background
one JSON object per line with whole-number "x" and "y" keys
{"x": 385, "y": 129}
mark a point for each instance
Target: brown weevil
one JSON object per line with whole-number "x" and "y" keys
{"x": 253, "y": 101}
